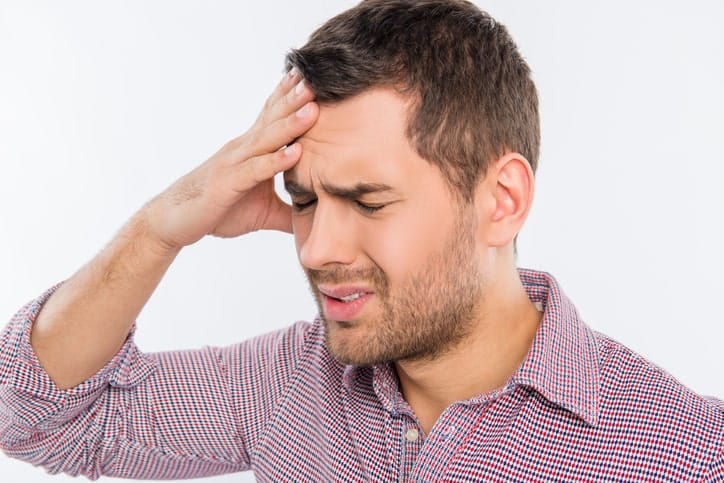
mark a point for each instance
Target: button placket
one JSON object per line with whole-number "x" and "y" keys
{"x": 443, "y": 441}
{"x": 411, "y": 441}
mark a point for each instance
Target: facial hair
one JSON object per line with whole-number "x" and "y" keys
{"x": 421, "y": 318}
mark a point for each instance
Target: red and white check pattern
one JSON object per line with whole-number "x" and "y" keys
{"x": 580, "y": 408}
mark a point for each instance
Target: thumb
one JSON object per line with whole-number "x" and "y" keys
{"x": 280, "y": 216}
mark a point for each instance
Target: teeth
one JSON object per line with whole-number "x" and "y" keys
{"x": 350, "y": 298}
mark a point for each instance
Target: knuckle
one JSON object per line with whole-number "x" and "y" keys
{"x": 252, "y": 140}
{"x": 232, "y": 144}
{"x": 290, "y": 97}
{"x": 292, "y": 122}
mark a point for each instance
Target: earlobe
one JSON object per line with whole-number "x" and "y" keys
{"x": 510, "y": 187}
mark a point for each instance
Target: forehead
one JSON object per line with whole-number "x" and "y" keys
{"x": 361, "y": 139}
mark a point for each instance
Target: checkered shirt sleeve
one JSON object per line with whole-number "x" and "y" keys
{"x": 165, "y": 415}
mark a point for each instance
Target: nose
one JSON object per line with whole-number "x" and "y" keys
{"x": 328, "y": 237}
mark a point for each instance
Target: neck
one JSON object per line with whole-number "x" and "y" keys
{"x": 483, "y": 362}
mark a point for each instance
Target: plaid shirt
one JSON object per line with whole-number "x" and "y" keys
{"x": 581, "y": 407}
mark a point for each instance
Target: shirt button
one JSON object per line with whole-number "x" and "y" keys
{"x": 411, "y": 435}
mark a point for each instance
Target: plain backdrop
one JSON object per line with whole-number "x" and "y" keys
{"x": 104, "y": 104}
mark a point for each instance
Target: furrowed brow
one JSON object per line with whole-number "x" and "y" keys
{"x": 356, "y": 191}
{"x": 351, "y": 193}
{"x": 296, "y": 189}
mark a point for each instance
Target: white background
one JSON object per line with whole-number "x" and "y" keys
{"x": 103, "y": 104}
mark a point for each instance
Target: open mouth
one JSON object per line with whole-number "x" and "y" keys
{"x": 344, "y": 305}
{"x": 350, "y": 298}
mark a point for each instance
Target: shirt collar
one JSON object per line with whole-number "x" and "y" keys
{"x": 561, "y": 365}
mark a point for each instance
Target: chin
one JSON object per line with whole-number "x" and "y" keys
{"x": 347, "y": 346}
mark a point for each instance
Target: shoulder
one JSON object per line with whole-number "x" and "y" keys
{"x": 290, "y": 346}
{"x": 623, "y": 370}
{"x": 644, "y": 402}
{"x": 301, "y": 346}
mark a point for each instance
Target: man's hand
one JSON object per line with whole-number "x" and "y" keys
{"x": 232, "y": 193}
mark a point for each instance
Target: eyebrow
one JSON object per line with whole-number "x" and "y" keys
{"x": 349, "y": 193}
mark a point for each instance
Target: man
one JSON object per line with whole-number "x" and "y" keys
{"x": 407, "y": 133}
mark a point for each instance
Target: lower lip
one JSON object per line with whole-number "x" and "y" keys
{"x": 343, "y": 311}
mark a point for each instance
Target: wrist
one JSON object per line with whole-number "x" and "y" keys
{"x": 139, "y": 233}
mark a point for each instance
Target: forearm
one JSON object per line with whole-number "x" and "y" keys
{"x": 87, "y": 319}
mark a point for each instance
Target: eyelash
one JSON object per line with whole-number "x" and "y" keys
{"x": 302, "y": 206}
{"x": 365, "y": 208}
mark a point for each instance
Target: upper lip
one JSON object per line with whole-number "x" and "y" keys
{"x": 342, "y": 291}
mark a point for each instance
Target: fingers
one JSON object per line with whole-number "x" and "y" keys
{"x": 284, "y": 130}
{"x": 290, "y": 94}
{"x": 297, "y": 95}
{"x": 258, "y": 169}
{"x": 288, "y": 114}
{"x": 288, "y": 82}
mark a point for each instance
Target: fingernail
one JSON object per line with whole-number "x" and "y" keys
{"x": 289, "y": 150}
{"x": 300, "y": 87}
{"x": 303, "y": 111}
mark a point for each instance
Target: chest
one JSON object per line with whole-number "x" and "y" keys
{"x": 517, "y": 437}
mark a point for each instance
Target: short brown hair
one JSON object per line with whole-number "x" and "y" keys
{"x": 473, "y": 96}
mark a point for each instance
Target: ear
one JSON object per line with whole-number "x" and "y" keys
{"x": 503, "y": 199}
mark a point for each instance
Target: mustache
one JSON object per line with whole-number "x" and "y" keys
{"x": 340, "y": 275}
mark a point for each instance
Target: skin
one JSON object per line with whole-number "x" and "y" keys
{"x": 85, "y": 322}
{"x": 340, "y": 242}
{"x": 448, "y": 307}
{"x": 87, "y": 319}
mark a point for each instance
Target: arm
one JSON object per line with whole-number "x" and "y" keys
{"x": 85, "y": 322}
{"x": 67, "y": 362}
{"x": 170, "y": 415}
{"x": 230, "y": 194}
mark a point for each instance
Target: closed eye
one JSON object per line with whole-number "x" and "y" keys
{"x": 368, "y": 208}
{"x": 303, "y": 206}
{"x": 365, "y": 208}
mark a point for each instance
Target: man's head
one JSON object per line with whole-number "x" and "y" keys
{"x": 414, "y": 176}
{"x": 472, "y": 98}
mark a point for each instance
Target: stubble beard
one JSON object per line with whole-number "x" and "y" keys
{"x": 425, "y": 317}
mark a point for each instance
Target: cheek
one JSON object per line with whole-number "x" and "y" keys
{"x": 403, "y": 244}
